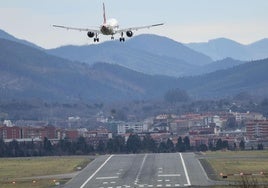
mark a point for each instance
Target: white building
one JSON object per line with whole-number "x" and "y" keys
{"x": 134, "y": 127}
{"x": 8, "y": 123}
{"x": 248, "y": 116}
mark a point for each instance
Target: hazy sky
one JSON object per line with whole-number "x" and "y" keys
{"x": 245, "y": 21}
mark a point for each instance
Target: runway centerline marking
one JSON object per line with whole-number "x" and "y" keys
{"x": 185, "y": 170}
{"x": 84, "y": 184}
{"x": 141, "y": 167}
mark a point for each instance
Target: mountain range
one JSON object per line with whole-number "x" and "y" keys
{"x": 28, "y": 71}
{"x": 7, "y": 36}
{"x": 149, "y": 54}
{"x": 222, "y": 48}
{"x": 152, "y": 54}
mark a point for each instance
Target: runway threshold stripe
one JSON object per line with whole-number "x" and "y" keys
{"x": 106, "y": 178}
{"x": 185, "y": 170}
{"x": 84, "y": 184}
{"x": 168, "y": 175}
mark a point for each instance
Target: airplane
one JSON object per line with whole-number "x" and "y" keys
{"x": 109, "y": 27}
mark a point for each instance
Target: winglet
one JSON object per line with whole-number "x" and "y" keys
{"x": 104, "y": 15}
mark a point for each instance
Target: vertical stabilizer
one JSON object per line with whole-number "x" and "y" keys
{"x": 104, "y": 14}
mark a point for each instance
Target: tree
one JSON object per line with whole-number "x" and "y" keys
{"x": 113, "y": 113}
{"x": 118, "y": 144}
{"x": 170, "y": 146}
{"x": 225, "y": 144}
{"x": 148, "y": 144}
{"x": 202, "y": 147}
{"x": 180, "y": 146}
{"x": 260, "y": 146}
{"x": 235, "y": 146}
{"x": 186, "y": 142}
{"x": 47, "y": 146}
{"x": 65, "y": 147}
{"x": 231, "y": 123}
{"x": 211, "y": 146}
{"x": 81, "y": 146}
{"x": 219, "y": 144}
{"x": 13, "y": 149}
{"x": 162, "y": 148}
{"x": 110, "y": 146}
{"x": 2, "y": 148}
{"x": 176, "y": 95}
{"x": 101, "y": 146}
{"x": 242, "y": 145}
{"x": 133, "y": 143}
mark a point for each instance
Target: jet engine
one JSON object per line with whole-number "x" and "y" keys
{"x": 129, "y": 33}
{"x": 90, "y": 34}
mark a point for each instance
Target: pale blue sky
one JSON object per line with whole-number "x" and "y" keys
{"x": 186, "y": 20}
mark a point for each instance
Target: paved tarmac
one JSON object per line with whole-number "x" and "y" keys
{"x": 142, "y": 170}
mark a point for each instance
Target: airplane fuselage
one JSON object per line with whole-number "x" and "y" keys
{"x": 110, "y": 27}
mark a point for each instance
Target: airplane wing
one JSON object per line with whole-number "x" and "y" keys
{"x": 78, "y": 29}
{"x": 137, "y": 28}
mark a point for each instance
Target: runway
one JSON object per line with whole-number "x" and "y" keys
{"x": 141, "y": 170}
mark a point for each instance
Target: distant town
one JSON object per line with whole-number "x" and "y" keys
{"x": 194, "y": 131}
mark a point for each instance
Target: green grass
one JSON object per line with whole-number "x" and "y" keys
{"x": 248, "y": 162}
{"x": 43, "y": 183}
{"x": 13, "y": 169}
{"x": 224, "y": 154}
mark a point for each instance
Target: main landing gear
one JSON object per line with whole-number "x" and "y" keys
{"x": 122, "y": 39}
{"x": 96, "y": 39}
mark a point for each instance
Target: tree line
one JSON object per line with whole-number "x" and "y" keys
{"x": 117, "y": 144}
{"x": 81, "y": 146}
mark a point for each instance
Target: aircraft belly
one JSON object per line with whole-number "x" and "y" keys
{"x": 107, "y": 31}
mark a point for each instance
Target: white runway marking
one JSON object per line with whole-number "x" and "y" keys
{"x": 106, "y": 178}
{"x": 185, "y": 170}
{"x": 141, "y": 167}
{"x": 168, "y": 175}
{"x": 84, "y": 184}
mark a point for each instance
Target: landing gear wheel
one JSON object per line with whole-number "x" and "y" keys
{"x": 122, "y": 39}
{"x": 96, "y": 39}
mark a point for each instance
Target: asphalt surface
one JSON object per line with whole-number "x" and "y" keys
{"x": 142, "y": 170}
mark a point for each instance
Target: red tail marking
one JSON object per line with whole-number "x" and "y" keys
{"x": 104, "y": 15}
